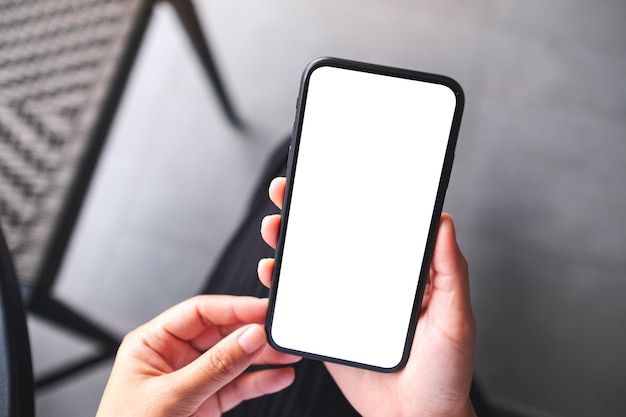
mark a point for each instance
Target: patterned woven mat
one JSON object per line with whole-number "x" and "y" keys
{"x": 57, "y": 61}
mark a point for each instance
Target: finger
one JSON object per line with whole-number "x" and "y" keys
{"x": 270, "y": 356}
{"x": 179, "y": 334}
{"x": 449, "y": 297}
{"x": 192, "y": 317}
{"x": 255, "y": 384}
{"x": 218, "y": 366}
{"x": 448, "y": 265}
{"x": 265, "y": 270}
{"x": 277, "y": 191}
{"x": 269, "y": 229}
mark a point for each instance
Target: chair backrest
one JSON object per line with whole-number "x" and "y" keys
{"x": 62, "y": 68}
{"x": 16, "y": 373}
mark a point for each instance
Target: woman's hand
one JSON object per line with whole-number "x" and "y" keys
{"x": 189, "y": 361}
{"x": 437, "y": 377}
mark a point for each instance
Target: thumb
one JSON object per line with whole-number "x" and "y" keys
{"x": 218, "y": 366}
{"x": 450, "y": 295}
{"x": 448, "y": 263}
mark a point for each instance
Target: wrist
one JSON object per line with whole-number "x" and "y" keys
{"x": 466, "y": 409}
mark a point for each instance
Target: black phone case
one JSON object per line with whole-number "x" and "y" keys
{"x": 438, "y": 205}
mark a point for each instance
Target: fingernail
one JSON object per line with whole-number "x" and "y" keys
{"x": 252, "y": 339}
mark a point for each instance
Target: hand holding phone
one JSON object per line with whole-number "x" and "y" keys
{"x": 437, "y": 377}
{"x": 361, "y": 131}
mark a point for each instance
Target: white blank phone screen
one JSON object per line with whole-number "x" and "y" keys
{"x": 370, "y": 160}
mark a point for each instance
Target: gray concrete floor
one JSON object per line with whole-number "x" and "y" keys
{"x": 537, "y": 190}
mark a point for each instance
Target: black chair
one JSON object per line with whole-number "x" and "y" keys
{"x": 16, "y": 374}
{"x": 63, "y": 67}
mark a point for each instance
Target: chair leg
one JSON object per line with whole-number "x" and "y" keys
{"x": 52, "y": 377}
{"x": 57, "y": 313}
{"x": 187, "y": 14}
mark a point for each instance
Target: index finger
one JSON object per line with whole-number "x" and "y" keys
{"x": 277, "y": 191}
{"x": 194, "y": 316}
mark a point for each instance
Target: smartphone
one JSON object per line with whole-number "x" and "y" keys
{"x": 368, "y": 169}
